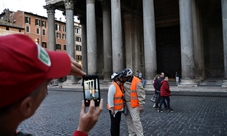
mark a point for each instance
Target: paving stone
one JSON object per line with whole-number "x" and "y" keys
{"x": 58, "y": 115}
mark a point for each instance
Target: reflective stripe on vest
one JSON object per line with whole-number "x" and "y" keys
{"x": 118, "y": 98}
{"x": 133, "y": 93}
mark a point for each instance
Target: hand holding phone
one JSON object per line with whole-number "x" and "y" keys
{"x": 91, "y": 89}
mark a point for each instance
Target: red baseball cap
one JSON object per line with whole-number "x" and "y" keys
{"x": 24, "y": 65}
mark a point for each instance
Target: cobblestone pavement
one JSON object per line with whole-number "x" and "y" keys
{"x": 193, "y": 116}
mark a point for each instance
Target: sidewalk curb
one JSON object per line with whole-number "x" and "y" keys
{"x": 175, "y": 91}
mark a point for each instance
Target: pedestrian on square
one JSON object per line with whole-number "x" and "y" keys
{"x": 135, "y": 101}
{"x": 140, "y": 75}
{"x": 161, "y": 77}
{"x": 25, "y": 71}
{"x": 155, "y": 85}
{"x": 115, "y": 103}
{"x": 165, "y": 93}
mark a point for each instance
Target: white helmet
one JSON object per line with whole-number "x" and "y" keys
{"x": 127, "y": 72}
{"x": 114, "y": 75}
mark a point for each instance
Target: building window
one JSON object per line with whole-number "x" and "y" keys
{"x": 63, "y": 36}
{"x": 58, "y": 46}
{"x": 44, "y": 32}
{"x": 77, "y": 30}
{"x": 7, "y": 28}
{"x": 78, "y": 57}
{"x": 65, "y": 47}
{"x": 19, "y": 30}
{"x": 78, "y": 47}
{"x": 57, "y": 27}
{"x": 27, "y": 29}
{"x": 37, "y": 30}
{"x": 44, "y": 44}
{"x": 37, "y": 22}
{"x": 37, "y": 40}
{"x": 78, "y": 39}
{"x": 27, "y": 20}
{"x": 58, "y": 35}
{"x": 64, "y": 28}
{"x": 43, "y": 23}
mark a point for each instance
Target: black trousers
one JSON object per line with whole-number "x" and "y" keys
{"x": 158, "y": 101}
{"x": 115, "y": 124}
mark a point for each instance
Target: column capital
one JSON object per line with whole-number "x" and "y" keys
{"x": 50, "y": 8}
{"x": 90, "y": 1}
{"x": 105, "y": 5}
{"x": 69, "y": 4}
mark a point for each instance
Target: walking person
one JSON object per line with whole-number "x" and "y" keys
{"x": 161, "y": 77}
{"x": 26, "y": 69}
{"x": 115, "y": 103}
{"x": 140, "y": 75}
{"x": 165, "y": 93}
{"x": 135, "y": 100}
{"x": 155, "y": 85}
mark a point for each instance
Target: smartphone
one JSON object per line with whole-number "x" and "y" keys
{"x": 91, "y": 89}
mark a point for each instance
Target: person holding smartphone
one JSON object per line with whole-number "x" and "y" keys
{"x": 25, "y": 71}
{"x": 115, "y": 103}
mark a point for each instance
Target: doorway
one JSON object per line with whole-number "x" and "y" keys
{"x": 168, "y": 50}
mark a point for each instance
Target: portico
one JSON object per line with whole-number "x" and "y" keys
{"x": 149, "y": 36}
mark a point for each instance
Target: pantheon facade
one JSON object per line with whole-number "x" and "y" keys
{"x": 151, "y": 36}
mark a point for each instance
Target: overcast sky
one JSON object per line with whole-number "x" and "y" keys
{"x": 33, "y": 6}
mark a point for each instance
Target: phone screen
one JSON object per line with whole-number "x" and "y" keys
{"x": 91, "y": 89}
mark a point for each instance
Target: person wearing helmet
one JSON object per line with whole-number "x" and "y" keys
{"x": 135, "y": 100}
{"x": 115, "y": 103}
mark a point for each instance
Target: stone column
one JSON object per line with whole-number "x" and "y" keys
{"x": 107, "y": 42}
{"x": 84, "y": 43}
{"x": 91, "y": 38}
{"x": 117, "y": 45}
{"x": 51, "y": 27}
{"x": 198, "y": 49}
{"x": 137, "y": 43}
{"x": 70, "y": 42}
{"x": 128, "y": 40}
{"x": 187, "y": 49}
{"x": 149, "y": 40}
{"x": 224, "y": 29}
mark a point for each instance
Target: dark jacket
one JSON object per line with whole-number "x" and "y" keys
{"x": 155, "y": 85}
{"x": 165, "y": 88}
{"x": 159, "y": 83}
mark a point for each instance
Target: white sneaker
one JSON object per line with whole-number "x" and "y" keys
{"x": 154, "y": 105}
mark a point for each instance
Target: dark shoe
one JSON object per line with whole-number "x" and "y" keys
{"x": 166, "y": 108}
{"x": 171, "y": 110}
{"x": 160, "y": 110}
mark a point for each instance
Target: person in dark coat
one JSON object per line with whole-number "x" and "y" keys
{"x": 161, "y": 77}
{"x": 165, "y": 93}
{"x": 155, "y": 85}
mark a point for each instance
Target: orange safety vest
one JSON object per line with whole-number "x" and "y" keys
{"x": 133, "y": 93}
{"x": 118, "y": 98}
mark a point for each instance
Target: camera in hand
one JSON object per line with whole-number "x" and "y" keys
{"x": 91, "y": 89}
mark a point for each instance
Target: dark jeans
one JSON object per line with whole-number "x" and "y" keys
{"x": 163, "y": 100}
{"x": 158, "y": 101}
{"x": 115, "y": 124}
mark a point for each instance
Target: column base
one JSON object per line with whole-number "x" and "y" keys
{"x": 224, "y": 83}
{"x": 188, "y": 83}
{"x": 104, "y": 82}
{"x": 149, "y": 84}
{"x": 70, "y": 81}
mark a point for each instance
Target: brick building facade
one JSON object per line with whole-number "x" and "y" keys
{"x": 36, "y": 27}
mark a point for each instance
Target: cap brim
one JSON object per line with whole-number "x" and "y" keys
{"x": 60, "y": 64}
